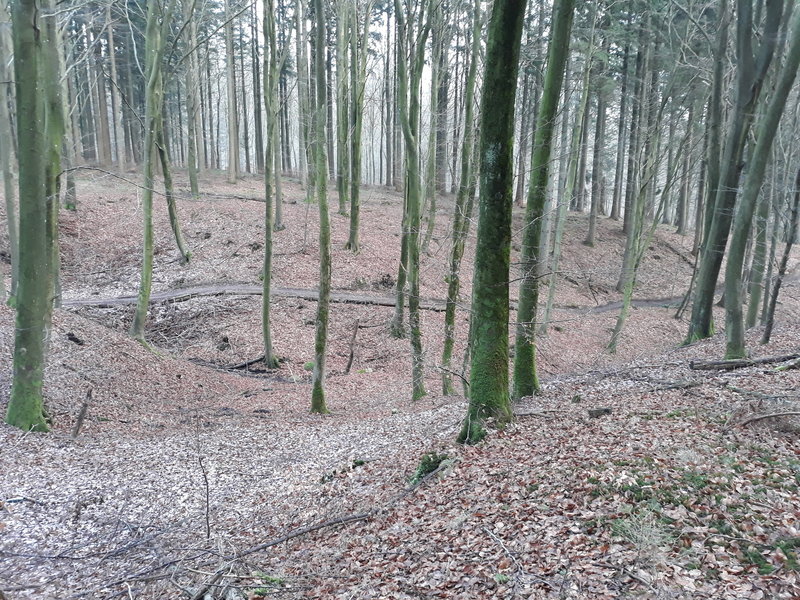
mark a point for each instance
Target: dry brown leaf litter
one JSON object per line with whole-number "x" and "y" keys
{"x": 655, "y": 500}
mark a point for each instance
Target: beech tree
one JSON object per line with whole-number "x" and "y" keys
{"x": 489, "y": 394}
{"x": 25, "y": 407}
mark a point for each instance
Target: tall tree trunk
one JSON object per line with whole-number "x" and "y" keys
{"x": 305, "y": 160}
{"x": 169, "y": 192}
{"x": 158, "y": 22}
{"x": 321, "y": 181}
{"x": 411, "y": 44}
{"x": 230, "y": 77}
{"x": 489, "y": 394}
{"x": 438, "y": 42}
{"x": 271, "y": 151}
{"x": 192, "y": 86}
{"x": 116, "y": 107}
{"x": 25, "y": 407}
{"x": 359, "y": 45}
{"x": 597, "y": 163}
{"x": 259, "y": 127}
{"x": 342, "y": 103}
{"x": 55, "y": 132}
{"x": 616, "y": 198}
{"x": 759, "y": 264}
{"x": 245, "y": 128}
{"x": 6, "y": 142}
{"x": 526, "y": 381}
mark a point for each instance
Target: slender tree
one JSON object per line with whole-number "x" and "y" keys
{"x": 318, "y": 404}
{"x": 526, "y": 382}
{"x": 271, "y": 108}
{"x": 462, "y": 214}
{"x": 359, "y": 45}
{"x": 158, "y": 22}
{"x": 233, "y": 129}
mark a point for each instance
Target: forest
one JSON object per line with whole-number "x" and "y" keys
{"x": 399, "y": 299}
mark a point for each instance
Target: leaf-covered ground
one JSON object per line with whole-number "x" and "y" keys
{"x": 182, "y": 469}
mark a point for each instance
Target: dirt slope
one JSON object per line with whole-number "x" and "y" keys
{"x": 175, "y": 447}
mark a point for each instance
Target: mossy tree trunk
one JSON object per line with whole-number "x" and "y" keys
{"x": 489, "y": 394}
{"x": 765, "y": 136}
{"x": 318, "y": 404}
{"x": 463, "y": 209}
{"x": 751, "y": 71}
{"x": 25, "y": 407}
{"x": 526, "y": 382}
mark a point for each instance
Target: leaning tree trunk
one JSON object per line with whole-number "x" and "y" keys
{"x": 489, "y": 397}
{"x": 526, "y": 381}
{"x": 768, "y": 127}
{"x": 323, "y": 304}
{"x": 750, "y": 76}
{"x": 776, "y": 287}
{"x": 169, "y": 192}
{"x": 25, "y": 406}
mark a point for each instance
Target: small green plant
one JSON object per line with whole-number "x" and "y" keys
{"x": 428, "y": 464}
{"x": 648, "y": 535}
{"x": 501, "y": 578}
{"x": 309, "y": 366}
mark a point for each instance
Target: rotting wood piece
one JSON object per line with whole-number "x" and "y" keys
{"x": 729, "y": 365}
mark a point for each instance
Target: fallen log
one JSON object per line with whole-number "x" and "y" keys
{"x": 739, "y": 363}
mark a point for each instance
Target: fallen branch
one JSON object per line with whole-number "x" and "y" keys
{"x": 793, "y": 413}
{"x": 729, "y": 365}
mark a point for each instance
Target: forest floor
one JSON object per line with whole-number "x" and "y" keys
{"x": 189, "y": 478}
